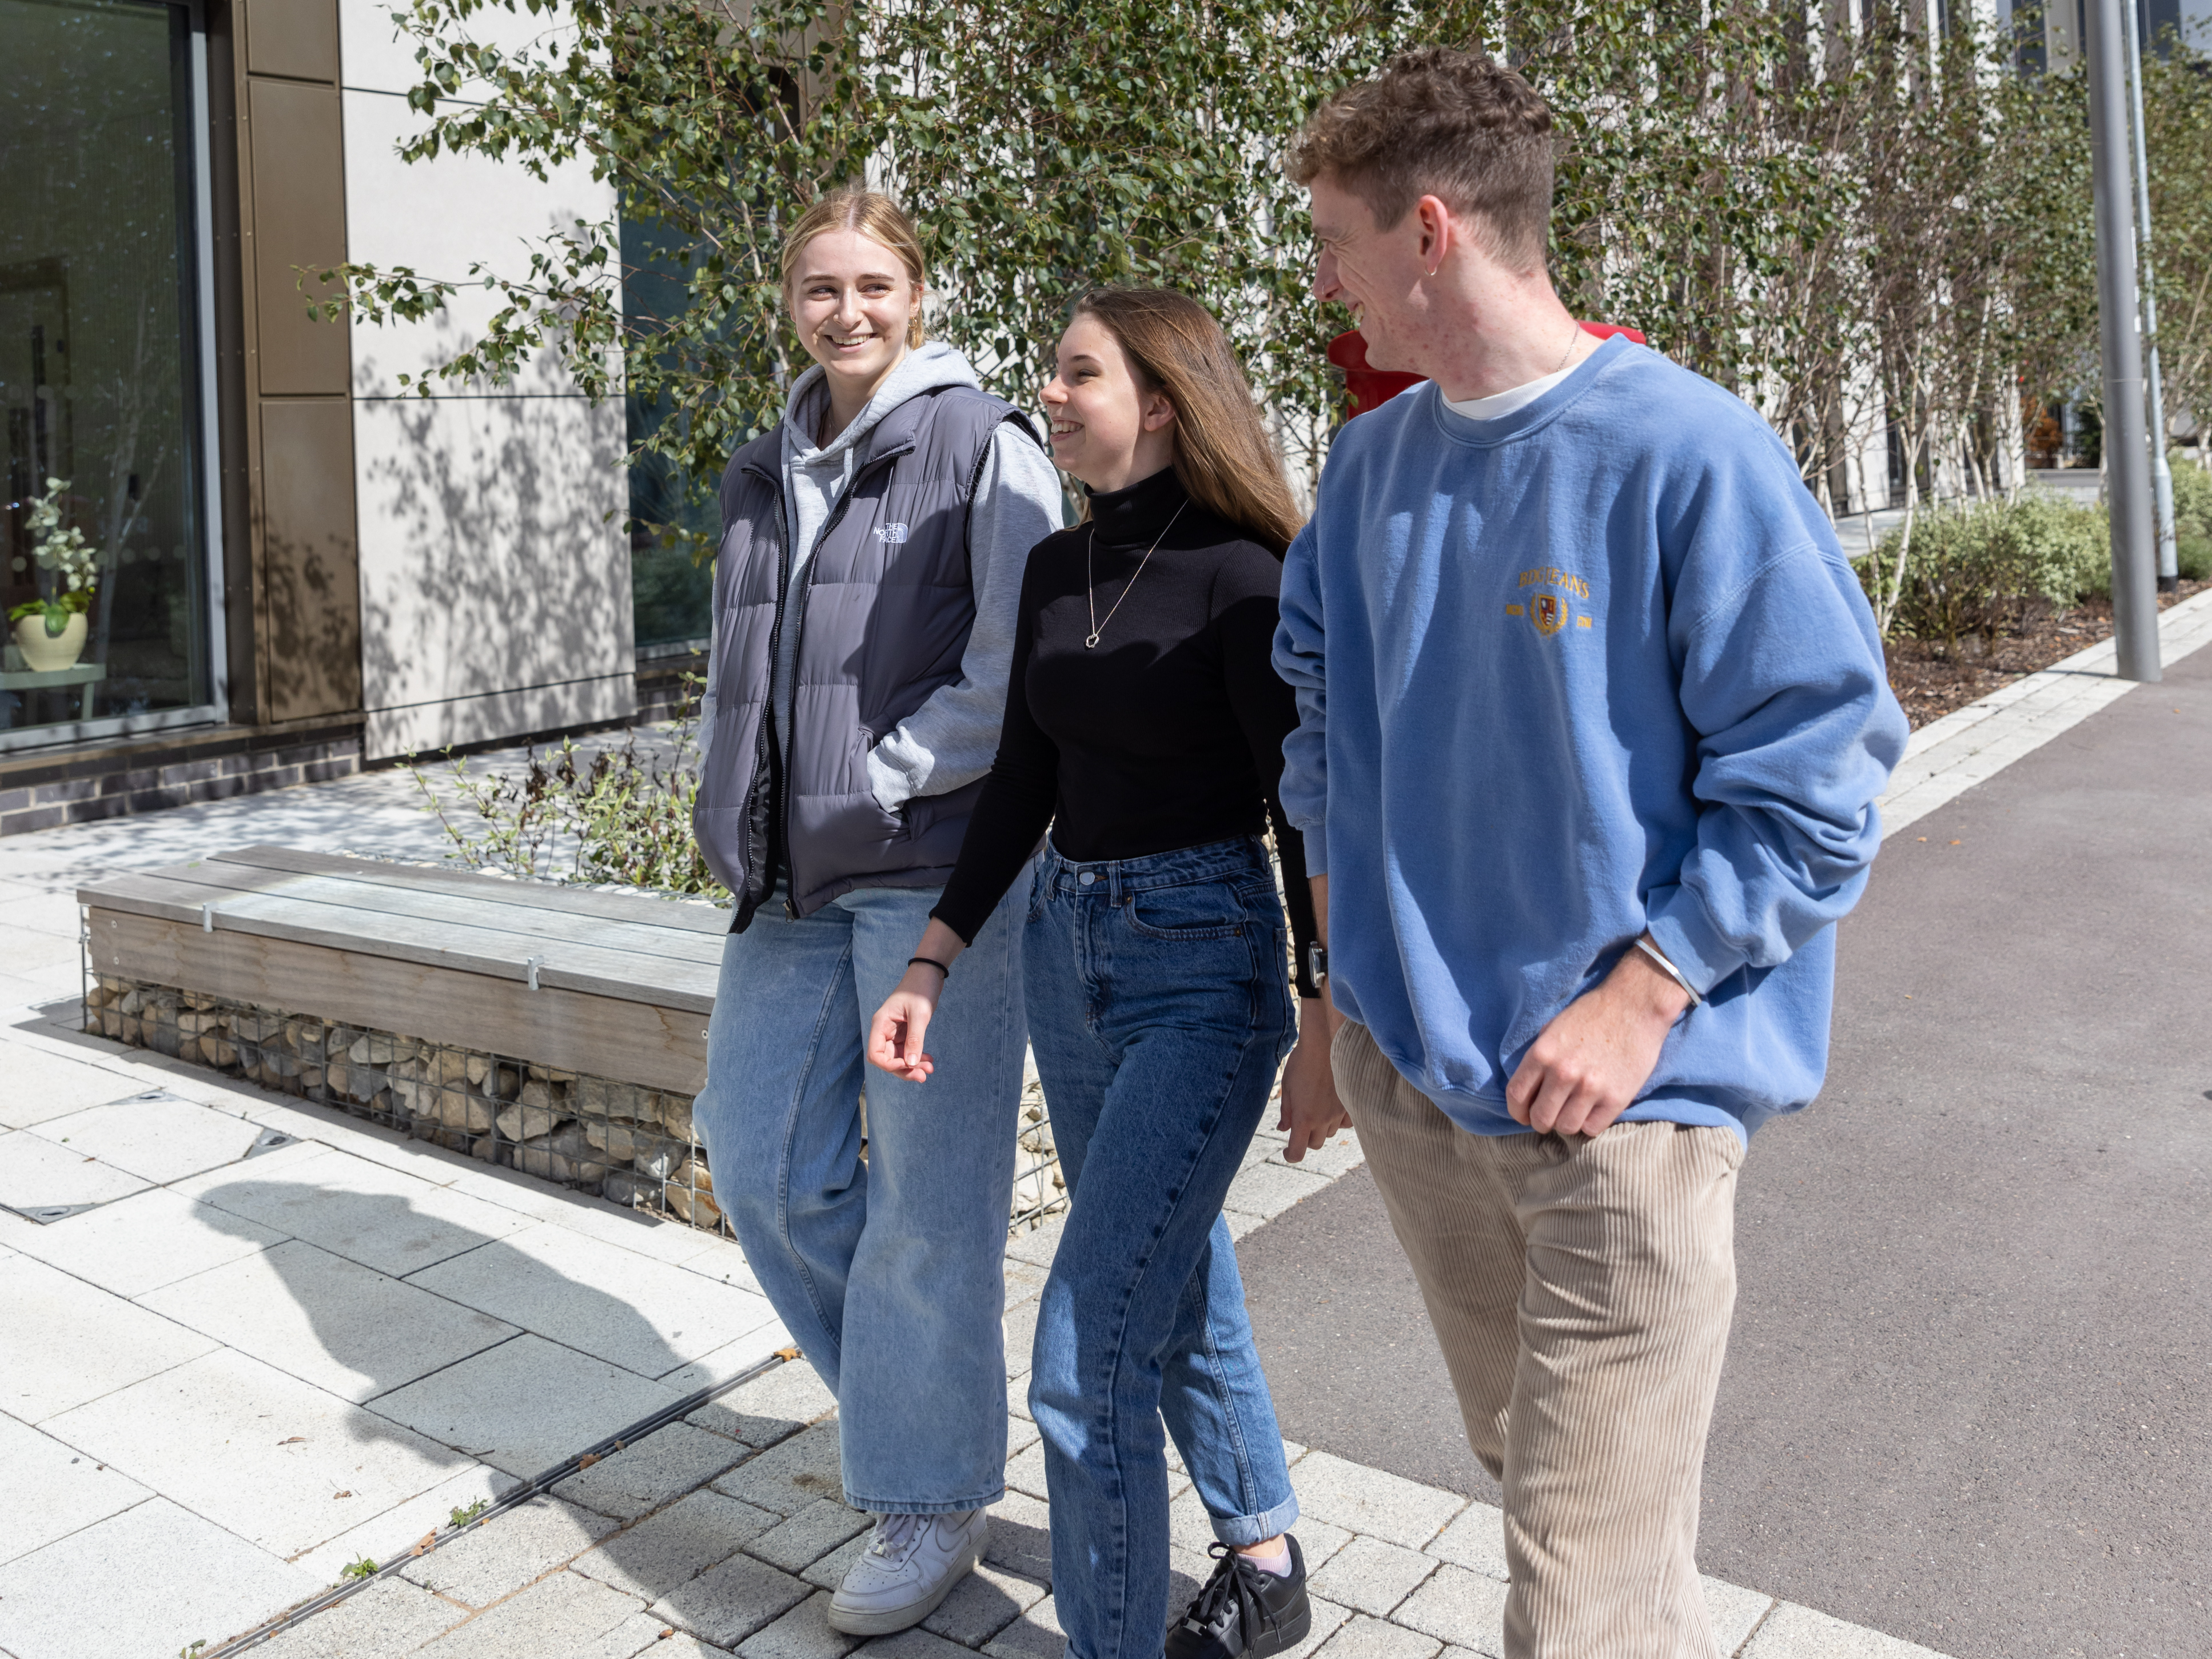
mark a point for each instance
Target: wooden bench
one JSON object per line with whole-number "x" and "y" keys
{"x": 554, "y": 1030}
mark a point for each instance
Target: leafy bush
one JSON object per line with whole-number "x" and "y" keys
{"x": 2192, "y": 516}
{"x": 615, "y": 816}
{"x": 1980, "y": 569}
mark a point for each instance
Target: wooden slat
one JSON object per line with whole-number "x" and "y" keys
{"x": 479, "y": 950}
{"x": 498, "y": 889}
{"x": 460, "y": 911}
{"x": 633, "y": 1042}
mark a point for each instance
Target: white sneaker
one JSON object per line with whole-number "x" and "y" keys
{"x": 911, "y": 1564}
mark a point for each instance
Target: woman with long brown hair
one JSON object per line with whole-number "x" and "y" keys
{"x": 1144, "y": 725}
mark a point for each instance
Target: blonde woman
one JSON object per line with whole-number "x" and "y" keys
{"x": 1145, "y": 724}
{"x": 865, "y": 595}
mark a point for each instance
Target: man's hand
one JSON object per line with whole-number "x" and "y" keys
{"x": 1585, "y": 1067}
{"x": 1312, "y": 1111}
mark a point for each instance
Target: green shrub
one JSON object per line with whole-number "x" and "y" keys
{"x": 1979, "y": 570}
{"x": 2192, "y": 516}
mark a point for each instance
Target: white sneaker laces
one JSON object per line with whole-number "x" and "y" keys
{"x": 896, "y": 1534}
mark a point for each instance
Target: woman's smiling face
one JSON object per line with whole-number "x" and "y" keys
{"x": 853, "y": 302}
{"x": 1102, "y": 416}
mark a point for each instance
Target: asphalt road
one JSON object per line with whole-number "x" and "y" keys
{"x": 1968, "y": 1399}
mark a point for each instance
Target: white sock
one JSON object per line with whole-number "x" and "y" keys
{"x": 1277, "y": 1564}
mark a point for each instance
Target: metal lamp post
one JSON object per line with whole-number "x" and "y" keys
{"x": 2161, "y": 470}
{"x": 2134, "y": 577}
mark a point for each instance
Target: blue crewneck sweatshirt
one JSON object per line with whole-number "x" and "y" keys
{"x": 1594, "y": 666}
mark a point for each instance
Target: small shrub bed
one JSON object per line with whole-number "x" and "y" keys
{"x": 1988, "y": 568}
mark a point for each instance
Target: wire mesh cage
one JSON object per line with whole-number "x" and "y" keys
{"x": 634, "y": 1146}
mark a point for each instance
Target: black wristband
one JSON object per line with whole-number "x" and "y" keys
{"x": 929, "y": 962}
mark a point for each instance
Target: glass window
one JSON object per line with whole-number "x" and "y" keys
{"x": 674, "y": 520}
{"x": 100, "y": 376}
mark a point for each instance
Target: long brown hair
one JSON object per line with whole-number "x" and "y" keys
{"x": 1221, "y": 453}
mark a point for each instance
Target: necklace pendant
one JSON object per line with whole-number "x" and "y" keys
{"x": 1090, "y": 642}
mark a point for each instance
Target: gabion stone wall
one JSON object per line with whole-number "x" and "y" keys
{"x": 632, "y": 1145}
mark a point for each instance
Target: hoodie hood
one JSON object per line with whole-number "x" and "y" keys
{"x": 924, "y": 368}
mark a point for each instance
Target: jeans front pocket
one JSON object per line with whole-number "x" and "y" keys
{"x": 1193, "y": 911}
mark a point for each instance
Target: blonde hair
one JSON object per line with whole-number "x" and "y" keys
{"x": 874, "y": 215}
{"x": 1221, "y": 453}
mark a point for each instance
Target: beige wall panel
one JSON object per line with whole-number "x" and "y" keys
{"x": 311, "y": 575}
{"x": 296, "y": 39}
{"x": 299, "y": 219}
{"x": 494, "y": 568}
{"x": 438, "y": 217}
{"x": 378, "y": 59}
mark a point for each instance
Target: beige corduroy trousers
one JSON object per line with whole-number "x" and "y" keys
{"x": 1581, "y": 1291}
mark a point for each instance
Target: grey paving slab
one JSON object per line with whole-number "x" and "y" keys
{"x": 789, "y": 1477}
{"x": 388, "y": 1618}
{"x": 915, "y": 1643}
{"x": 771, "y": 1408}
{"x": 1268, "y": 1190}
{"x": 327, "y": 1321}
{"x": 36, "y": 1173}
{"x": 37, "y": 1085}
{"x": 1021, "y": 1537}
{"x": 78, "y": 1342}
{"x": 727, "y": 1603}
{"x": 524, "y": 1406}
{"x": 1025, "y": 1472}
{"x": 48, "y": 1490}
{"x": 1034, "y": 1634}
{"x": 1340, "y": 1156}
{"x": 1328, "y": 1620}
{"x": 515, "y": 1547}
{"x": 1373, "y": 1501}
{"x": 1735, "y": 1611}
{"x": 797, "y": 1543}
{"x": 156, "y": 1135}
{"x": 256, "y": 1450}
{"x": 670, "y": 1547}
{"x": 1036, "y": 1246}
{"x": 647, "y": 1316}
{"x": 982, "y": 1605}
{"x": 830, "y": 1572}
{"x": 1369, "y": 1576}
{"x": 1021, "y": 1337}
{"x": 355, "y": 1208}
{"x": 146, "y": 1241}
{"x": 1363, "y": 1637}
{"x": 662, "y": 1466}
{"x": 390, "y": 1533}
{"x": 1794, "y": 1632}
{"x": 645, "y": 1634}
{"x": 189, "y": 1579}
{"x": 560, "y": 1614}
{"x": 802, "y": 1633}
{"x": 1475, "y": 1540}
{"x": 1456, "y": 1606}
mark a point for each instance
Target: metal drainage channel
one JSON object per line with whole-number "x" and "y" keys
{"x": 439, "y": 1538}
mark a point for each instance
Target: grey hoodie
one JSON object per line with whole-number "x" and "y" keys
{"x": 949, "y": 740}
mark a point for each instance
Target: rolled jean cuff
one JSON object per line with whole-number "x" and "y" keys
{"x": 1240, "y": 1532}
{"x": 926, "y": 1506}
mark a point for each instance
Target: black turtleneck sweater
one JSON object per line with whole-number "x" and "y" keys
{"x": 1168, "y": 733}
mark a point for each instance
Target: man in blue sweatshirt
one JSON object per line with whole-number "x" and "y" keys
{"x": 1593, "y": 719}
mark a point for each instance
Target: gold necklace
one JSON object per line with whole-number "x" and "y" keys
{"x": 1090, "y": 593}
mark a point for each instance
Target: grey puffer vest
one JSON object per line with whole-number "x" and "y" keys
{"x": 882, "y": 618}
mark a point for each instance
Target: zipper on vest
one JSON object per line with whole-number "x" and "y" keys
{"x": 763, "y": 772}
{"x": 798, "y": 636}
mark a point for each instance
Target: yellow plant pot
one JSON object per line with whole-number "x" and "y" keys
{"x": 44, "y": 653}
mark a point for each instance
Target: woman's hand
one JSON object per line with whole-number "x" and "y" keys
{"x": 894, "y": 1036}
{"x": 1312, "y": 1111}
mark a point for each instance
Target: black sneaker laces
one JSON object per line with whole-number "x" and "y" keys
{"x": 1232, "y": 1595}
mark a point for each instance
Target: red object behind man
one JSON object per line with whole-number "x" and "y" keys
{"x": 1371, "y": 388}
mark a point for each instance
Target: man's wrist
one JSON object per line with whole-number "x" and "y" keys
{"x": 1660, "y": 993}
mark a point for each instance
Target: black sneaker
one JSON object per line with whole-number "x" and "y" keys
{"x": 1245, "y": 1612}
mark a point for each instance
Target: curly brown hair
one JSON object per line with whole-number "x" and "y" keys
{"x": 1439, "y": 121}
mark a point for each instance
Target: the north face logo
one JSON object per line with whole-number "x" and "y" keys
{"x": 890, "y": 532}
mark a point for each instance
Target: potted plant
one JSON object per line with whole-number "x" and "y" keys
{"x": 50, "y": 631}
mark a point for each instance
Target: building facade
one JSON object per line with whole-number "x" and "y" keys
{"x": 297, "y": 565}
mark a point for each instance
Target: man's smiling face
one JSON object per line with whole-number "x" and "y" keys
{"x": 1373, "y": 271}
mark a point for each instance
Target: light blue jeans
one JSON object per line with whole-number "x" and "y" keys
{"x": 889, "y": 1272}
{"x": 1159, "y": 1008}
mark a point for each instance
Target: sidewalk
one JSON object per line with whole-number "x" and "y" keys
{"x": 281, "y": 1341}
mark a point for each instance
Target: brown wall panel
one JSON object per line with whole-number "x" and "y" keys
{"x": 295, "y": 39}
{"x": 310, "y": 568}
{"x": 299, "y": 219}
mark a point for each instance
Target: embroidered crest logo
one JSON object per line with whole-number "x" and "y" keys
{"x": 1549, "y": 612}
